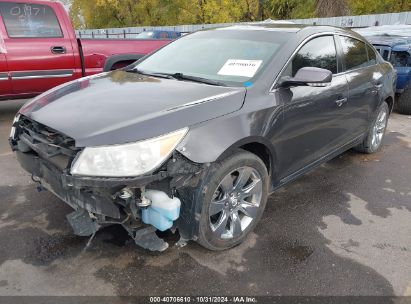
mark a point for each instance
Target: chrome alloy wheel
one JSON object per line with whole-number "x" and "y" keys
{"x": 235, "y": 203}
{"x": 379, "y": 127}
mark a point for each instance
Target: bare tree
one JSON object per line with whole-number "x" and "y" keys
{"x": 331, "y": 8}
{"x": 260, "y": 10}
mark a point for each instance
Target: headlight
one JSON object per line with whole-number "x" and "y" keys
{"x": 13, "y": 128}
{"x": 129, "y": 159}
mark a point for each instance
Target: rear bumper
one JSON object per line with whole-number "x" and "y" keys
{"x": 92, "y": 194}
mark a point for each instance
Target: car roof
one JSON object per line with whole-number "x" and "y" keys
{"x": 285, "y": 27}
{"x": 390, "y": 41}
{"x": 290, "y": 27}
{"x": 402, "y": 48}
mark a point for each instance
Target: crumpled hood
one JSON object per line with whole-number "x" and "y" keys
{"x": 120, "y": 107}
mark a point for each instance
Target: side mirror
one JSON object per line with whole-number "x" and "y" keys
{"x": 308, "y": 76}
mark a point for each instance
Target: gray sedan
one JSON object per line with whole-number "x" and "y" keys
{"x": 196, "y": 136}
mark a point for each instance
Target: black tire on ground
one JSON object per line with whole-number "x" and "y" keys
{"x": 403, "y": 104}
{"x": 219, "y": 171}
{"x": 367, "y": 145}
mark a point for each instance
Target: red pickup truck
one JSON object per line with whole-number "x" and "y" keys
{"x": 39, "y": 49}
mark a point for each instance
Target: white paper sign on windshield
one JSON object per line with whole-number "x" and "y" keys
{"x": 237, "y": 67}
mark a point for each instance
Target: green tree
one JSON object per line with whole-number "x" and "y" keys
{"x": 289, "y": 9}
{"x": 378, "y": 7}
{"x": 128, "y": 13}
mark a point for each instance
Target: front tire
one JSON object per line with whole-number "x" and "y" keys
{"x": 234, "y": 200}
{"x": 373, "y": 141}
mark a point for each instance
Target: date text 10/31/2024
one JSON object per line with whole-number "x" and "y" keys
{"x": 199, "y": 299}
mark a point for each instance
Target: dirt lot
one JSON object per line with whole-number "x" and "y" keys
{"x": 344, "y": 229}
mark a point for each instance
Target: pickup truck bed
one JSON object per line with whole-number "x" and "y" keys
{"x": 39, "y": 49}
{"x": 108, "y": 54}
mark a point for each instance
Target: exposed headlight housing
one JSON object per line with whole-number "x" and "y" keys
{"x": 127, "y": 160}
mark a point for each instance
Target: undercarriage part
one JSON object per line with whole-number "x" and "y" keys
{"x": 126, "y": 194}
{"x": 180, "y": 165}
{"x": 89, "y": 241}
{"x": 148, "y": 239}
{"x": 82, "y": 224}
{"x": 144, "y": 202}
{"x": 183, "y": 172}
{"x": 182, "y": 242}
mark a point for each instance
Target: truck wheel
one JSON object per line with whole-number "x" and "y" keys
{"x": 233, "y": 201}
{"x": 403, "y": 105}
{"x": 373, "y": 141}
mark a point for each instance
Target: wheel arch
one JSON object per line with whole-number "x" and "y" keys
{"x": 112, "y": 60}
{"x": 259, "y": 146}
{"x": 390, "y": 101}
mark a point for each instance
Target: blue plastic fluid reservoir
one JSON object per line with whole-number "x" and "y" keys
{"x": 163, "y": 210}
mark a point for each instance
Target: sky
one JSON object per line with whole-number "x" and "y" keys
{"x": 66, "y": 3}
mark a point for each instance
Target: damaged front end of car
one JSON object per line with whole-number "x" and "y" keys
{"x": 160, "y": 200}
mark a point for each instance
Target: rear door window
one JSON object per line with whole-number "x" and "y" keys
{"x": 319, "y": 52}
{"x": 355, "y": 53}
{"x": 24, "y": 20}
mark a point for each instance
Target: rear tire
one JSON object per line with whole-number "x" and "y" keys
{"x": 233, "y": 201}
{"x": 403, "y": 105}
{"x": 372, "y": 143}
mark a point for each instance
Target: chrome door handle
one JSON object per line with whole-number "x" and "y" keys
{"x": 58, "y": 50}
{"x": 340, "y": 102}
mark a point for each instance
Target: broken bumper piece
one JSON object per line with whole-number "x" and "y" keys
{"x": 92, "y": 194}
{"x": 140, "y": 204}
{"x": 83, "y": 225}
{"x": 99, "y": 202}
{"x": 148, "y": 239}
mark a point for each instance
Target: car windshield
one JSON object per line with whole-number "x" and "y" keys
{"x": 229, "y": 57}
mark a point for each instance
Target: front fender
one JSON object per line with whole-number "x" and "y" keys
{"x": 216, "y": 139}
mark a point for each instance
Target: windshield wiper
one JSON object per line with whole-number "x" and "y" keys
{"x": 161, "y": 75}
{"x": 181, "y": 76}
